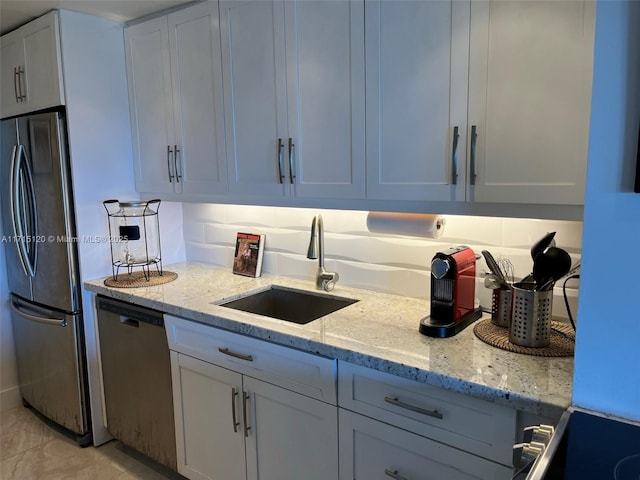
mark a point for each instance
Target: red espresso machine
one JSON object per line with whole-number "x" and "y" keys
{"x": 453, "y": 289}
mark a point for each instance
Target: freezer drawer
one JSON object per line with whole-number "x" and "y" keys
{"x": 49, "y": 349}
{"x": 136, "y": 370}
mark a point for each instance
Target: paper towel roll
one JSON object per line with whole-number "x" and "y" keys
{"x": 415, "y": 224}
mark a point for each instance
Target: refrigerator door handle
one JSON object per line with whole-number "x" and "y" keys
{"x": 16, "y": 221}
{"x": 27, "y": 258}
{"x": 32, "y": 226}
{"x": 35, "y": 318}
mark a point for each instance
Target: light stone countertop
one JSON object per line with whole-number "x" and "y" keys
{"x": 380, "y": 332}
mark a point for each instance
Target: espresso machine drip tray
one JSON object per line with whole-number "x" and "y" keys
{"x": 434, "y": 328}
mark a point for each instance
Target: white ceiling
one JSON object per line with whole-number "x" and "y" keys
{"x": 14, "y": 13}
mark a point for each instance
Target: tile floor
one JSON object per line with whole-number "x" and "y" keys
{"x": 31, "y": 449}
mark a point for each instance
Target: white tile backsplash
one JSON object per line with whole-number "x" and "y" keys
{"x": 381, "y": 262}
{"x": 522, "y": 233}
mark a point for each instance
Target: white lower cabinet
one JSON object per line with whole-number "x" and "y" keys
{"x": 230, "y": 427}
{"x": 254, "y": 415}
{"x": 290, "y": 437}
{"x": 209, "y": 437}
{"x": 250, "y": 409}
{"x": 372, "y": 450}
{"x": 393, "y": 427}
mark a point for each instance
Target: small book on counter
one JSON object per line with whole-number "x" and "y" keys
{"x": 247, "y": 259}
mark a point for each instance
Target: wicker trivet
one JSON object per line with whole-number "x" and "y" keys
{"x": 136, "y": 279}
{"x": 561, "y": 344}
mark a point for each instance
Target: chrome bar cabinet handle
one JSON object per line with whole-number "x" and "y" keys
{"x": 413, "y": 408}
{"x": 292, "y": 173}
{"x": 245, "y": 400}
{"x": 16, "y": 79}
{"x": 279, "y": 160}
{"x": 22, "y": 80}
{"x": 393, "y": 474}
{"x": 234, "y": 394}
{"x": 472, "y": 155}
{"x": 241, "y": 356}
{"x": 169, "y": 152}
{"x": 176, "y": 151}
{"x": 454, "y": 156}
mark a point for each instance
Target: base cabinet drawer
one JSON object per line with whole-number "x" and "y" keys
{"x": 372, "y": 450}
{"x": 473, "y": 425}
{"x": 298, "y": 371}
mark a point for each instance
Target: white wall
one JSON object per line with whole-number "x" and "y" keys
{"x": 607, "y": 366}
{"x": 373, "y": 261}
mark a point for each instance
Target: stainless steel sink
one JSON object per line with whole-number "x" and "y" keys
{"x": 292, "y": 305}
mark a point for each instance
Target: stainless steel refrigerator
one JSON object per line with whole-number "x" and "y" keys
{"x": 42, "y": 266}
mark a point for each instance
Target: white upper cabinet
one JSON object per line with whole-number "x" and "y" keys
{"x": 364, "y": 102}
{"x": 294, "y": 98}
{"x": 149, "y": 78}
{"x": 326, "y": 94}
{"x": 530, "y": 74}
{"x": 31, "y": 71}
{"x": 175, "y": 89}
{"x": 254, "y": 88}
{"x": 511, "y": 78}
{"x": 416, "y": 71}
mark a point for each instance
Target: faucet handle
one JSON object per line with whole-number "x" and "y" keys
{"x": 328, "y": 280}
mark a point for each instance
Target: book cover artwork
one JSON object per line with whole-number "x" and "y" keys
{"x": 248, "y": 255}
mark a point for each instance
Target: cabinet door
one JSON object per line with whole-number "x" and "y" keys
{"x": 372, "y": 450}
{"x": 209, "y": 433}
{"x": 529, "y": 99}
{"x": 12, "y": 55}
{"x": 197, "y": 99}
{"x": 325, "y": 81}
{"x": 416, "y": 73}
{"x": 34, "y": 49}
{"x": 291, "y": 436}
{"x": 253, "y": 65}
{"x": 150, "y": 97}
{"x": 42, "y": 80}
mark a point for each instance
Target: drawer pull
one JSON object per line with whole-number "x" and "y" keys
{"x": 394, "y": 474}
{"x": 226, "y": 351}
{"x": 423, "y": 411}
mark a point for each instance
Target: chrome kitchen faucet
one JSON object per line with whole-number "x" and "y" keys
{"x": 324, "y": 279}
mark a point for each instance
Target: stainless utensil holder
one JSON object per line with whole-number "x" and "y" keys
{"x": 530, "y": 316}
{"x": 501, "y": 307}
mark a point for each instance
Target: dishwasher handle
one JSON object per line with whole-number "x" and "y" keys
{"x": 130, "y": 314}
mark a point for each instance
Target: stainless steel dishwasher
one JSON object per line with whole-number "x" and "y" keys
{"x": 136, "y": 369}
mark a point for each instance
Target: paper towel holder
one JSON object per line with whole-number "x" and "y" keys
{"x": 425, "y": 225}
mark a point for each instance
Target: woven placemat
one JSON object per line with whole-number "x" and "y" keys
{"x": 562, "y": 339}
{"x": 136, "y": 279}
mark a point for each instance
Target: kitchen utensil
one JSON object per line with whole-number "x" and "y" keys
{"x": 501, "y": 307}
{"x": 507, "y": 268}
{"x": 530, "y": 316}
{"x": 549, "y": 266}
{"x": 491, "y": 282}
{"x": 494, "y": 268}
{"x": 542, "y": 244}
